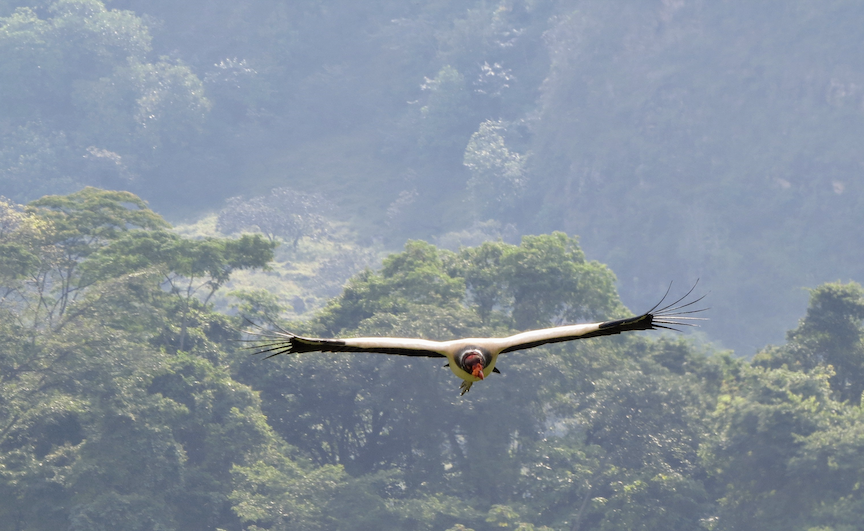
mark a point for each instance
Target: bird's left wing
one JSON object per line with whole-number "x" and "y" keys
{"x": 668, "y": 317}
{"x": 275, "y": 342}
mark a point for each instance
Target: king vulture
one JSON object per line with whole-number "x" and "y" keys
{"x": 474, "y": 359}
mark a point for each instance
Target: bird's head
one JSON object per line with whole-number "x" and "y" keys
{"x": 473, "y": 361}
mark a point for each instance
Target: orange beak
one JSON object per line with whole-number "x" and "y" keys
{"x": 477, "y": 371}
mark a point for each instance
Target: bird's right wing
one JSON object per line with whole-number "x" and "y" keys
{"x": 275, "y": 342}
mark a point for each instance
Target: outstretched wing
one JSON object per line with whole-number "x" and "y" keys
{"x": 667, "y": 317}
{"x": 275, "y": 342}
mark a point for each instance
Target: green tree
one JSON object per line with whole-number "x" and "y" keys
{"x": 42, "y": 55}
{"x": 551, "y": 282}
{"x": 18, "y": 250}
{"x": 191, "y": 270}
{"x": 50, "y": 389}
{"x": 498, "y": 177}
{"x": 142, "y": 109}
{"x": 99, "y": 426}
{"x": 649, "y": 430}
{"x": 279, "y": 494}
{"x": 61, "y": 232}
{"x": 81, "y": 40}
{"x": 283, "y": 213}
{"x": 84, "y": 104}
{"x": 830, "y": 335}
{"x": 446, "y": 117}
{"x": 762, "y": 426}
{"x": 482, "y": 267}
{"x": 828, "y": 467}
{"x": 256, "y": 304}
{"x": 417, "y": 276}
{"x": 544, "y": 281}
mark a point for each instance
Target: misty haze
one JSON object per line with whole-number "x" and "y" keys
{"x": 172, "y": 171}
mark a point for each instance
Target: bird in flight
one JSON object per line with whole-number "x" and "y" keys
{"x": 473, "y": 359}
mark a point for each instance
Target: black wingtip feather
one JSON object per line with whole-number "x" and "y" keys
{"x": 677, "y": 313}
{"x": 274, "y": 341}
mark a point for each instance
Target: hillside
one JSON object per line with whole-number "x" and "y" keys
{"x": 678, "y": 140}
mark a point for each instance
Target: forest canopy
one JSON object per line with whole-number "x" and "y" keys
{"x": 125, "y": 402}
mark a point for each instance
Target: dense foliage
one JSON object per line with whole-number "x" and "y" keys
{"x": 125, "y": 404}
